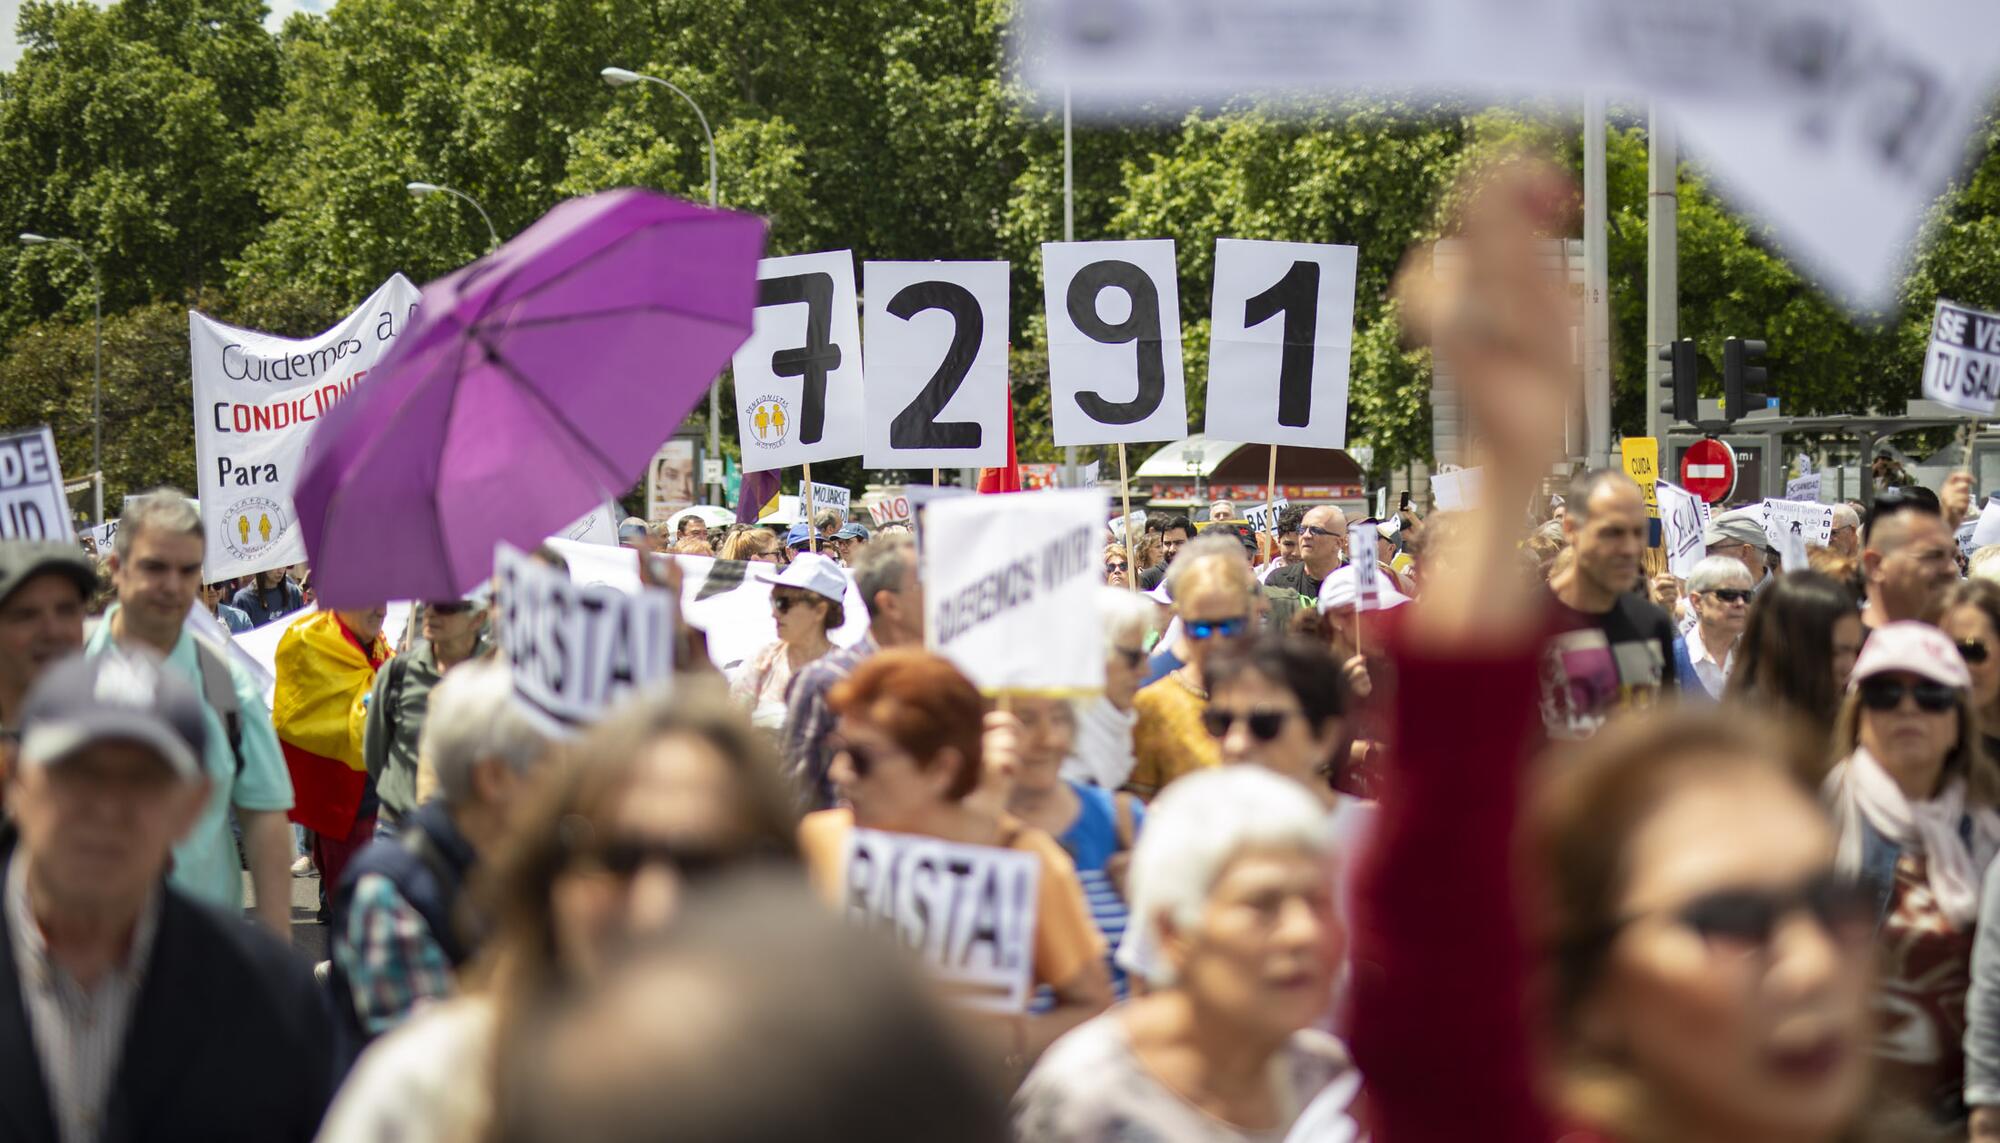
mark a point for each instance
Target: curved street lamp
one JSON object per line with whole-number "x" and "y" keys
{"x": 97, "y": 369}
{"x": 424, "y": 190}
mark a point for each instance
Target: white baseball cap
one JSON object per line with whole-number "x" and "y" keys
{"x": 1337, "y": 591}
{"x": 814, "y": 573}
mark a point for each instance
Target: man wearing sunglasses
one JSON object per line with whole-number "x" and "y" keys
{"x": 1907, "y": 557}
{"x": 1322, "y": 549}
{"x": 1719, "y": 592}
{"x": 1619, "y": 651}
{"x": 454, "y": 632}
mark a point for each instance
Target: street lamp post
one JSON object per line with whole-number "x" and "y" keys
{"x": 621, "y": 77}
{"x": 422, "y": 190}
{"x": 97, "y": 366}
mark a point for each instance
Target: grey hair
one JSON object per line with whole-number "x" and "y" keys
{"x": 1718, "y": 571}
{"x": 472, "y": 717}
{"x": 1205, "y": 549}
{"x": 1128, "y": 616}
{"x": 1844, "y": 516}
{"x": 882, "y": 566}
{"x": 163, "y": 509}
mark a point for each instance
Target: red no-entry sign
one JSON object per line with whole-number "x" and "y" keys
{"x": 1708, "y": 469}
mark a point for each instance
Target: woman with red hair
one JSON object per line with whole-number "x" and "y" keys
{"x": 907, "y": 751}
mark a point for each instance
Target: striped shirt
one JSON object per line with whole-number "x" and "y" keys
{"x": 394, "y": 965}
{"x": 1091, "y": 842}
{"x": 808, "y": 720}
{"x": 79, "y": 1032}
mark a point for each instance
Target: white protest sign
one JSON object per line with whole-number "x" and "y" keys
{"x": 32, "y": 503}
{"x": 937, "y": 392}
{"x": 890, "y": 510}
{"x": 600, "y": 526}
{"x": 1986, "y": 529}
{"x": 1126, "y": 529}
{"x": 1803, "y": 488}
{"x": 1362, "y": 550}
{"x": 1683, "y": 519}
{"x": 1114, "y": 318}
{"x": 1966, "y": 536}
{"x": 575, "y": 651}
{"x": 1264, "y": 517}
{"x": 1962, "y": 365}
{"x": 1087, "y": 475}
{"x": 102, "y": 536}
{"x": 798, "y": 376}
{"x": 256, "y": 397}
{"x": 1793, "y": 525}
{"x": 1455, "y": 490}
{"x": 834, "y": 496}
{"x": 1280, "y": 334}
{"x": 967, "y": 911}
{"x": 1011, "y": 584}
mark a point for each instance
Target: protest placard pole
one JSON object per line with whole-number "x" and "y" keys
{"x": 937, "y": 478}
{"x": 1271, "y": 494}
{"x": 806, "y": 506}
{"x": 1131, "y": 547}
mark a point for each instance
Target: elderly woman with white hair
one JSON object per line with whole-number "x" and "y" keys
{"x": 1103, "y": 752}
{"x": 1230, "y": 879}
{"x": 1719, "y": 591}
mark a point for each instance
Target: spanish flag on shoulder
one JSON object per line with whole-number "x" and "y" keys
{"x": 324, "y": 673}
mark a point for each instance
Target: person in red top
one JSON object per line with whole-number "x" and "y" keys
{"x": 1699, "y": 969}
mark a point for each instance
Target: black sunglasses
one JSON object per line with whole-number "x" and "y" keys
{"x": 1132, "y": 656}
{"x": 1731, "y": 594}
{"x": 1746, "y": 918}
{"x": 1264, "y": 725}
{"x": 1881, "y": 693}
{"x": 625, "y": 857}
{"x": 455, "y": 607}
{"x": 1115, "y": 569}
{"x": 1972, "y": 651}
{"x": 1316, "y": 530}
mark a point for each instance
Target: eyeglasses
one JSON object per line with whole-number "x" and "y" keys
{"x": 1972, "y": 651}
{"x": 1116, "y": 569}
{"x": 1880, "y": 693}
{"x": 782, "y": 604}
{"x": 1316, "y": 530}
{"x": 1744, "y": 919}
{"x": 1264, "y": 725}
{"x": 1731, "y": 594}
{"x": 452, "y": 607}
{"x": 1132, "y": 656}
{"x": 1217, "y": 628}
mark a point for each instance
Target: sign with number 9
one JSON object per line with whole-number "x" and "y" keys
{"x": 1114, "y": 342}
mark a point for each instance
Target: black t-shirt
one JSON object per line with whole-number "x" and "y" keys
{"x": 1149, "y": 578}
{"x": 1296, "y": 577}
{"x": 1596, "y": 665}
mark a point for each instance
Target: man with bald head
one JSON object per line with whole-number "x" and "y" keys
{"x": 1619, "y": 650}
{"x": 1907, "y": 559}
{"x": 1322, "y": 549}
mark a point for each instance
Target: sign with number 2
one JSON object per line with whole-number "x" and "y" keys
{"x": 937, "y": 364}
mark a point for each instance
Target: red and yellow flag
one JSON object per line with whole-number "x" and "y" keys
{"x": 317, "y": 710}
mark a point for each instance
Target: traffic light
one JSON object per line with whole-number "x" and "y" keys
{"x": 1742, "y": 378}
{"x": 1686, "y": 367}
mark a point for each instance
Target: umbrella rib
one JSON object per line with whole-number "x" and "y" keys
{"x": 437, "y": 473}
{"x": 552, "y": 319}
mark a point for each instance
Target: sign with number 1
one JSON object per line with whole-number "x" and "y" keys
{"x": 1114, "y": 342}
{"x": 798, "y": 376}
{"x": 937, "y": 364}
{"x": 1279, "y": 340}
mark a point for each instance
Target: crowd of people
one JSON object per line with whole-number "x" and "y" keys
{"x": 1490, "y": 830}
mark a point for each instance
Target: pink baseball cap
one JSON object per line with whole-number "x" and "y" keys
{"x": 1918, "y": 648}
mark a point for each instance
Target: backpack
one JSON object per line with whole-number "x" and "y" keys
{"x": 219, "y": 691}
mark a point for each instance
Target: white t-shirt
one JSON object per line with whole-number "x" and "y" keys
{"x": 426, "y": 1080}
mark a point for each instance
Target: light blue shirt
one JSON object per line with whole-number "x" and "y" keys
{"x": 205, "y": 864}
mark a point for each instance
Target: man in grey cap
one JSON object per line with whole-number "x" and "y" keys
{"x": 127, "y": 1009}
{"x": 1739, "y": 534}
{"x": 44, "y": 590}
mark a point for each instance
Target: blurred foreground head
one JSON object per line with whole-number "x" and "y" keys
{"x": 759, "y": 1019}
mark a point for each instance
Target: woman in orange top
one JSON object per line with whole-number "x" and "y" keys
{"x": 906, "y": 753}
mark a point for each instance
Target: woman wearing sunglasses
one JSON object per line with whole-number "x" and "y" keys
{"x": 1971, "y": 618}
{"x": 807, "y": 607}
{"x": 1117, "y": 566}
{"x": 1280, "y": 704}
{"x": 1914, "y": 801}
{"x": 661, "y": 800}
{"x": 1719, "y": 591}
{"x": 1213, "y": 590}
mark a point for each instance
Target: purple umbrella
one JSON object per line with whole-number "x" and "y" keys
{"x": 529, "y": 388}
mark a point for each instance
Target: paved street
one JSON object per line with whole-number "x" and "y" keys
{"x": 307, "y": 935}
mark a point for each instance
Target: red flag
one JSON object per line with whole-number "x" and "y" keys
{"x": 1007, "y": 478}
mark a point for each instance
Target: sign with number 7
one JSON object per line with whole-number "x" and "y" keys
{"x": 798, "y": 376}
{"x": 1280, "y": 336}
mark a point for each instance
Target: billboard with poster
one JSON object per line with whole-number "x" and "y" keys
{"x": 670, "y": 479}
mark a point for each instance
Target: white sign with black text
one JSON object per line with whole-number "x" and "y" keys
{"x": 937, "y": 392}
{"x": 576, "y": 650}
{"x": 1280, "y": 335}
{"x": 1011, "y": 585}
{"x": 1683, "y": 519}
{"x": 32, "y": 503}
{"x": 1264, "y": 517}
{"x": 798, "y": 376}
{"x": 1803, "y": 487}
{"x": 967, "y": 911}
{"x": 1962, "y": 364}
{"x": 1114, "y": 318}
{"x": 834, "y": 496}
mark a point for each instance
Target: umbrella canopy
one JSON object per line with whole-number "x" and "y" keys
{"x": 530, "y": 387}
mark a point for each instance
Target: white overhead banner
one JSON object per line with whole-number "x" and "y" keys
{"x": 256, "y": 397}
{"x": 937, "y": 364}
{"x": 1280, "y": 335}
{"x": 798, "y": 376}
{"x": 1683, "y": 519}
{"x": 1962, "y": 365}
{"x": 1011, "y": 585}
{"x": 576, "y": 650}
{"x": 33, "y": 505}
{"x": 966, "y": 911}
{"x": 1114, "y": 336}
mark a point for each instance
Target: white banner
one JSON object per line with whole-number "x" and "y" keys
{"x": 937, "y": 364}
{"x": 1114, "y": 337}
{"x": 256, "y": 397}
{"x": 1962, "y": 365}
{"x": 1280, "y": 335}
{"x": 1683, "y": 519}
{"x": 1792, "y": 526}
{"x": 1011, "y": 583}
{"x": 32, "y": 503}
{"x": 798, "y": 377}
{"x": 967, "y": 911}
{"x": 1264, "y": 517}
{"x": 575, "y": 651}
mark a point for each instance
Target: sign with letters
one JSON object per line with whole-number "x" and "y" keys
{"x": 1011, "y": 585}
{"x": 798, "y": 376}
{"x": 834, "y": 496}
{"x": 967, "y": 911}
{"x": 1683, "y": 519}
{"x": 1642, "y": 463}
{"x": 937, "y": 392}
{"x": 576, "y": 650}
{"x": 1114, "y": 336}
{"x": 256, "y": 397}
{"x": 1264, "y": 517}
{"x": 32, "y": 503}
{"x": 1792, "y": 526}
{"x": 1962, "y": 365}
{"x": 1280, "y": 334}
{"x": 1803, "y": 487}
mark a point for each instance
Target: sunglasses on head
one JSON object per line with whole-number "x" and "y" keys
{"x": 1731, "y": 594}
{"x": 1264, "y": 725}
{"x": 1214, "y": 628}
{"x": 1884, "y": 693}
{"x": 1972, "y": 651}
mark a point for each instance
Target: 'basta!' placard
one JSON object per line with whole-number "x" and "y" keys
{"x": 577, "y": 649}
{"x": 968, "y": 911}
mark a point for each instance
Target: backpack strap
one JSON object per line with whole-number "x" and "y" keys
{"x": 219, "y": 690}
